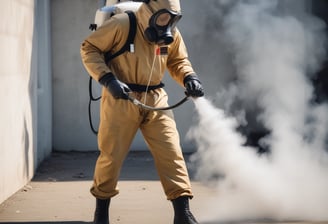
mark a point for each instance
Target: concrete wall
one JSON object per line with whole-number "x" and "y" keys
{"x": 19, "y": 93}
{"x": 70, "y": 22}
{"x": 44, "y": 76}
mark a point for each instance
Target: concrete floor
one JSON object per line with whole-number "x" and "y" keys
{"x": 59, "y": 193}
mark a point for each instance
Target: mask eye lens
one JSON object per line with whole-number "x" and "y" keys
{"x": 175, "y": 21}
{"x": 163, "y": 19}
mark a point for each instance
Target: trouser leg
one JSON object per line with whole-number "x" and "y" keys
{"x": 162, "y": 137}
{"x": 118, "y": 126}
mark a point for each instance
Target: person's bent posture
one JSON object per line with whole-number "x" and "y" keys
{"x": 158, "y": 46}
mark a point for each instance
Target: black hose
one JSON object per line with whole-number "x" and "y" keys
{"x": 133, "y": 100}
{"x": 91, "y": 98}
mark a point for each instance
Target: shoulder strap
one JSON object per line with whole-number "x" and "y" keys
{"x": 127, "y": 46}
{"x": 129, "y": 42}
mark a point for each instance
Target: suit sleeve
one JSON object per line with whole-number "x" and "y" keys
{"x": 178, "y": 63}
{"x": 105, "y": 38}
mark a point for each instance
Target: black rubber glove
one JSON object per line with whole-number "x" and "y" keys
{"x": 193, "y": 86}
{"x": 118, "y": 89}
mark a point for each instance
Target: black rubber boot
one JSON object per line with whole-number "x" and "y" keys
{"x": 182, "y": 213}
{"x": 101, "y": 212}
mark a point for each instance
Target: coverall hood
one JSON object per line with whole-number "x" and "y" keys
{"x": 173, "y": 5}
{"x": 147, "y": 10}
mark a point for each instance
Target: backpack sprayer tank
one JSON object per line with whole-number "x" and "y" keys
{"x": 111, "y": 8}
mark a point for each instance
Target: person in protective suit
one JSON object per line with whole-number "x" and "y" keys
{"x": 158, "y": 46}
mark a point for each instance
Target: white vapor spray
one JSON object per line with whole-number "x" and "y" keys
{"x": 274, "y": 56}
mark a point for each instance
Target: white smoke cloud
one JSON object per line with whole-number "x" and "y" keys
{"x": 274, "y": 56}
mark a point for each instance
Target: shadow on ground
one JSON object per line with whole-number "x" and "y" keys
{"x": 63, "y": 222}
{"x": 79, "y": 166}
{"x": 261, "y": 221}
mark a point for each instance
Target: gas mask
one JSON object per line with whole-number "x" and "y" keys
{"x": 161, "y": 27}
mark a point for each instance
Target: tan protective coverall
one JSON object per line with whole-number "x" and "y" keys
{"x": 120, "y": 119}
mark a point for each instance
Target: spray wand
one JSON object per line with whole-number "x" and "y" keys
{"x": 142, "y": 105}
